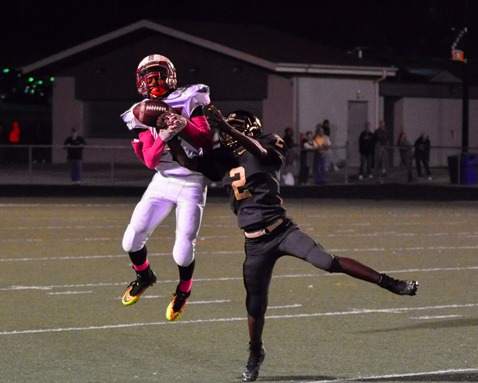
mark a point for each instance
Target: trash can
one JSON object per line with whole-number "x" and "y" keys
{"x": 453, "y": 168}
{"x": 468, "y": 164}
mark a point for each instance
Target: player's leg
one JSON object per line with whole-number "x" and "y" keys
{"x": 301, "y": 245}
{"x": 145, "y": 277}
{"x": 147, "y": 215}
{"x": 189, "y": 211}
{"x": 261, "y": 256}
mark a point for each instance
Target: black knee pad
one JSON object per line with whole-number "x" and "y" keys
{"x": 335, "y": 266}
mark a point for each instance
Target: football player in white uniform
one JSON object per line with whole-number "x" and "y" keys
{"x": 172, "y": 186}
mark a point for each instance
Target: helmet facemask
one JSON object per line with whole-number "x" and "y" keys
{"x": 159, "y": 67}
{"x": 244, "y": 122}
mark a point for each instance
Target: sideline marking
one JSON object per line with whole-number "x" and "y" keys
{"x": 320, "y": 274}
{"x": 239, "y": 252}
{"x": 436, "y": 317}
{"x": 379, "y": 377}
{"x": 293, "y": 316}
{"x": 71, "y": 292}
{"x": 295, "y": 305}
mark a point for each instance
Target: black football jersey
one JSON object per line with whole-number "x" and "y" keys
{"x": 254, "y": 185}
{"x": 216, "y": 163}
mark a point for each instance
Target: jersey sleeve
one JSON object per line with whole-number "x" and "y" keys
{"x": 198, "y": 133}
{"x": 188, "y": 101}
{"x": 276, "y": 148}
{"x": 188, "y": 98}
{"x": 131, "y": 121}
{"x": 148, "y": 149}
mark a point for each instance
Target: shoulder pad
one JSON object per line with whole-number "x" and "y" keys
{"x": 188, "y": 98}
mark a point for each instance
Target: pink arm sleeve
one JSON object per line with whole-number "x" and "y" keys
{"x": 148, "y": 149}
{"x": 138, "y": 149}
{"x": 199, "y": 133}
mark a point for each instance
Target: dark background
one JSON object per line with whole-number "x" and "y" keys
{"x": 415, "y": 28}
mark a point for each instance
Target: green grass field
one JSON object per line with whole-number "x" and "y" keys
{"x": 63, "y": 273}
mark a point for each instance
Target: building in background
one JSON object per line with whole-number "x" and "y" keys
{"x": 284, "y": 79}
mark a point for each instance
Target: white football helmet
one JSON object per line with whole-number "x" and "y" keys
{"x": 160, "y": 66}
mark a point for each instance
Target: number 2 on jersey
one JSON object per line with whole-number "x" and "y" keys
{"x": 239, "y": 176}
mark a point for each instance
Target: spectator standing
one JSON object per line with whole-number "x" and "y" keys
{"x": 326, "y": 127}
{"x": 15, "y": 133}
{"x": 3, "y": 142}
{"x": 329, "y": 162}
{"x": 405, "y": 149}
{"x": 422, "y": 155}
{"x": 323, "y": 145}
{"x": 288, "y": 173}
{"x": 289, "y": 138}
{"x": 74, "y": 145}
{"x": 307, "y": 154}
{"x": 366, "y": 149}
{"x": 14, "y": 137}
{"x": 402, "y": 148}
{"x": 382, "y": 141}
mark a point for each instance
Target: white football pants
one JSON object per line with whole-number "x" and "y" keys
{"x": 188, "y": 195}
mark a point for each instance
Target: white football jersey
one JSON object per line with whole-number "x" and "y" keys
{"x": 184, "y": 100}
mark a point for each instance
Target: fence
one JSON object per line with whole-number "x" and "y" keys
{"x": 102, "y": 165}
{"x": 448, "y": 165}
{"x": 32, "y": 164}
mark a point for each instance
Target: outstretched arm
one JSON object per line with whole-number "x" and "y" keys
{"x": 214, "y": 164}
{"x": 248, "y": 143}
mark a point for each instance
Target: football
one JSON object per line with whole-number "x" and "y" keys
{"x": 148, "y": 111}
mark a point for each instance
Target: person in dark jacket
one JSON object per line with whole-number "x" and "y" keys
{"x": 74, "y": 145}
{"x": 405, "y": 148}
{"x": 381, "y": 157}
{"x": 367, "y": 150}
{"x": 422, "y": 155}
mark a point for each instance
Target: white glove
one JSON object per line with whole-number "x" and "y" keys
{"x": 175, "y": 123}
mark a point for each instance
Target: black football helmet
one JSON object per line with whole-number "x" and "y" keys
{"x": 244, "y": 122}
{"x": 160, "y": 66}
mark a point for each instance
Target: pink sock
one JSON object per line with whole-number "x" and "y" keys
{"x": 185, "y": 286}
{"x": 142, "y": 267}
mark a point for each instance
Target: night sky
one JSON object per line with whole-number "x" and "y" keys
{"x": 418, "y": 28}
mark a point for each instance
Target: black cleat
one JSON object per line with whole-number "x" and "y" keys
{"x": 398, "y": 286}
{"x": 251, "y": 370}
{"x": 144, "y": 279}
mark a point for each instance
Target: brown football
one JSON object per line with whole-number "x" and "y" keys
{"x": 148, "y": 111}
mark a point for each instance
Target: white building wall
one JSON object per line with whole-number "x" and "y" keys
{"x": 441, "y": 119}
{"x": 301, "y": 103}
{"x": 278, "y": 108}
{"x": 327, "y": 98}
{"x": 66, "y": 115}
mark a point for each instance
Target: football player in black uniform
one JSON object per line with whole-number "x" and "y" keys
{"x": 251, "y": 176}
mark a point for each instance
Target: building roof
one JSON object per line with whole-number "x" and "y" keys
{"x": 255, "y": 44}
